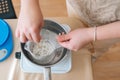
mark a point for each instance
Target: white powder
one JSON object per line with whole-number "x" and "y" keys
{"x": 42, "y": 49}
{"x": 46, "y": 45}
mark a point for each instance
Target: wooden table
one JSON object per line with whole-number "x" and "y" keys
{"x": 81, "y": 60}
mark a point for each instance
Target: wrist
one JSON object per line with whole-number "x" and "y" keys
{"x": 29, "y": 3}
{"x": 92, "y": 34}
{"x": 31, "y": 6}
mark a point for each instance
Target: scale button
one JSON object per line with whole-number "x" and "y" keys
{"x": 3, "y": 53}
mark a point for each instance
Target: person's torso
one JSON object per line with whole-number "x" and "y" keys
{"x": 97, "y": 12}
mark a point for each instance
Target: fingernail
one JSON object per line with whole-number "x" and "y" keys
{"x": 59, "y": 34}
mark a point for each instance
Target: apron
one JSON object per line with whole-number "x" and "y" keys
{"x": 96, "y": 12}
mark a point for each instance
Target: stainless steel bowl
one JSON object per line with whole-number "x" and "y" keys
{"x": 56, "y": 28}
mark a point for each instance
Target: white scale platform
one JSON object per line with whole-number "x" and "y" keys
{"x": 63, "y": 66}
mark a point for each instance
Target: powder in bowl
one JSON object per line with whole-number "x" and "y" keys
{"x": 38, "y": 50}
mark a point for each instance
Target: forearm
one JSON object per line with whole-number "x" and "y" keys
{"x": 31, "y": 9}
{"x": 29, "y": 5}
{"x": 108, "y": 31}
{"x": 29, "y": 2}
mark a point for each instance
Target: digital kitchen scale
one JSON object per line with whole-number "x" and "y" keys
{"x": 63, "y": 66}
{"x": 6, "y": 41}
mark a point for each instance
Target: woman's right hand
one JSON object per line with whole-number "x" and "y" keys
{"x": 30, "y": 21}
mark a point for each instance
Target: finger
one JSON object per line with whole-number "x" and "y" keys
{"x": 28, "y": 36}
{"x": 63, "y": 33}
{"x": 63, "y": 38}
{"x": 69, "y": 45}
{"x": 17, "y": 33}
{"x": 36, "y": 37}
{"x": 66, "y": 45}
{"x": 23, "y": 38}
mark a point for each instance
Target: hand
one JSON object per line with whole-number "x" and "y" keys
{"x": 30, "y": 22}
{"x": 76, "y": 39}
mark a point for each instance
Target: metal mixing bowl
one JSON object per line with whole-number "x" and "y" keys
{"x": 56, "y": 29}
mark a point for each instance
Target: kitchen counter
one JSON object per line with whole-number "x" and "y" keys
{"x": 81, "y": 60}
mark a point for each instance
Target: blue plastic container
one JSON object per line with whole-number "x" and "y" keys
{"x": 6, "y": 40}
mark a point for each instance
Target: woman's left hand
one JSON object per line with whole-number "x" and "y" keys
{"x": 76, "y": 39}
